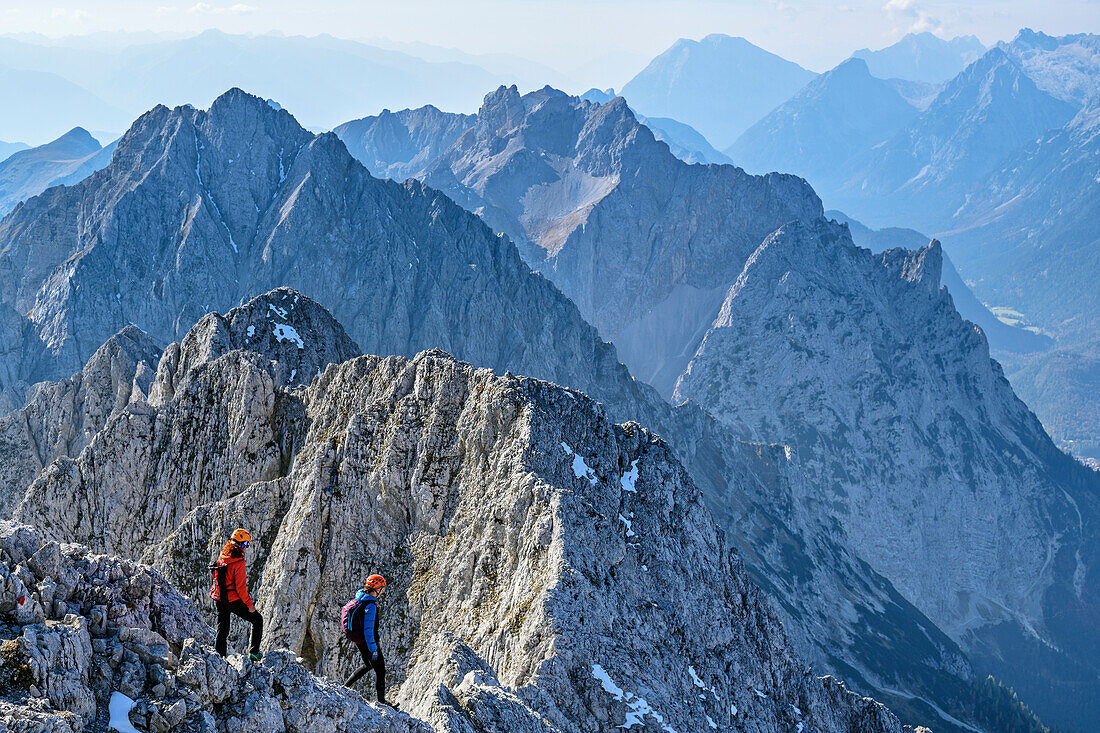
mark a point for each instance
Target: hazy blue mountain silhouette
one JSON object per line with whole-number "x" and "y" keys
{"x": 922, "y": 57}
{"x": 719, "y": 85}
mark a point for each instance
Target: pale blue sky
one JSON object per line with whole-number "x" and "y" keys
{"x": 568, "y": 34}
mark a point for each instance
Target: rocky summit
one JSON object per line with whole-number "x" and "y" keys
{"x": 550, "y": 570}
{"x": 642, "y": 242}
{"x": 952, "y": 489}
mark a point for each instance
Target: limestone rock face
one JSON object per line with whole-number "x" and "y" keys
{"x": 202, "y": 210}
{"x": 297, "y": 334}
{"x": 548, "y": 570}
{"x": 276, "y": 340}
{"x": 642, "y": 242}
{"x": 861, "y": 364}
{"x": 60, "y": 419}
{"x": 80, "y": 631}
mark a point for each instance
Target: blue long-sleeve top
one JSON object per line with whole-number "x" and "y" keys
{"x": 370, "y": 619}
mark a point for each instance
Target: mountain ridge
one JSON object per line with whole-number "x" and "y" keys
{"x": 570, "y": 491}
{"x": 835, "y": 116}
{"x": 68, "y": 159}
{"x": 923, "y": 57}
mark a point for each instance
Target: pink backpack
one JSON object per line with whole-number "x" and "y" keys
{"x": 347, "y": 619}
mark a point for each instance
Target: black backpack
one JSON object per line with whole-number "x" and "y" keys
{"x": 220, "y": 572}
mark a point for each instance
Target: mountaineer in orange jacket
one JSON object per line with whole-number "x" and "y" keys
{"x": 230, "y": 593}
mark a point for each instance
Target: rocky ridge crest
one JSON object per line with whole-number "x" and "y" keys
{"x": 535, "y": 548}
{"x": 601, "y": 207}
{"x": 90, "y": 641}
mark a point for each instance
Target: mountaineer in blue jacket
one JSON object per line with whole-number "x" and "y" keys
{"x": 359, "y": 620}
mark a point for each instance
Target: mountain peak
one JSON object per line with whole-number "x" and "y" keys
{"x": 502, "y": 109}
{"x": 923, "y": 266}
{"x": 79, "y": 133}
{"x": 922, "y": 57}
{"x": 298, "y": 335}
{"x": 76, "y": 143}
{"x": 715, "y": 39}
{"x": 720, "y": 85}
{"x": 236, "y": 97}
{"x": 1035, "y": 39}
{"x": 853, "y": 66}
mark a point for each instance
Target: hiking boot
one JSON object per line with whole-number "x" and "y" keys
{"x": 255, "y": 656}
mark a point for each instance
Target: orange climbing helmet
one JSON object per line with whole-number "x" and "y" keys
{"x": 241, "y": 536}
{"x": 375, "y": 582}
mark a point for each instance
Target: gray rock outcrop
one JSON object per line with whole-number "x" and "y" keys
{"x": 90, "y": 641}
{"x": 61, "y": 418}
{"x": 549, "y": 570}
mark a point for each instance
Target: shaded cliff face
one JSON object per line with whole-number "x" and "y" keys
{"x": 551, "y": 569}
{"x": 201, "y": 210}
{"x": 920, "y": 453}
{"x": 642, "y": 242}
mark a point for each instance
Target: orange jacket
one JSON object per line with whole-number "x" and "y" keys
{"x": 236, "y": 582}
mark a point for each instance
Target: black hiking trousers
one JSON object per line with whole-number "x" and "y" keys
{"x": 237, "y": 608}
{"x": 379, "y": 670}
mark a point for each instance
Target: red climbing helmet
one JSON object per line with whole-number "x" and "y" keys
{"x": 375, "y": 582}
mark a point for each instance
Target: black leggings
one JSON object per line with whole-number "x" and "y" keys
{"x": 237, "y": 608}
{"x": 379, "y": 671}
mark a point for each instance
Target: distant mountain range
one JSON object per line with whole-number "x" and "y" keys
{"x": 735, "y": 292}
{"x": 48, "y": 103}
{"x": 1001, "y": 165}
{"x": 67, "y": 160}
{"x": 6, "y": 149}
{"x": 1008, "y": 141}
{"x": 719, "y": 85}
{"x": 922, "y": 57}
{"x": 817, "y": 131}
{"x": 100, "y": 86}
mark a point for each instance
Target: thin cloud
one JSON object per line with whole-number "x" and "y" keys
{"x": 69, "y": 14}
{"x": 917, "y": 19}
{"x": 238, "y": 9}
